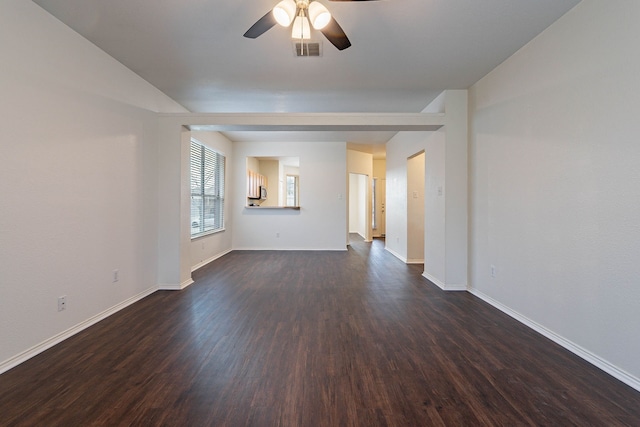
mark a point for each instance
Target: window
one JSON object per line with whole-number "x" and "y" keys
{"x": 292, "y": 191}
{"x": 207, "y": 190}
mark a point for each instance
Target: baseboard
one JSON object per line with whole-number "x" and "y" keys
{"x": 47, "y": 344}
{"x": 207, "y": 261}
{"x": 175, "y": 287}
{"x": 579, "y": 351}
{"x": 415, "y": 261}
{"x": 443, "y": 286}
{"x": 395, "y": 254}
{"x": 293, "y": 249}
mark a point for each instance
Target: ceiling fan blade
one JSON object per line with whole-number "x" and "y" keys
{"x": 261, "y": 26}
{"x": 335, "y": 34}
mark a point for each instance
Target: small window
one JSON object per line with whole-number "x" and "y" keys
{"x": 292, "y": 191}
{"x": 207, "y": 190}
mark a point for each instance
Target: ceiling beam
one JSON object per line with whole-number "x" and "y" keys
{"x": 308, "y": 121}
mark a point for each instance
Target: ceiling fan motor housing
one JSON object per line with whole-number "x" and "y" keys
{"x": 303, "y": 14}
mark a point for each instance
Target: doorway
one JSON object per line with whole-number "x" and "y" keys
{"x": 415, "y": 208}
{"x": 359, "y": 216}
{"x": 379, "y": 219}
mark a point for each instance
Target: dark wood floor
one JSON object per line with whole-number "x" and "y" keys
{"x": 311, "y": 339}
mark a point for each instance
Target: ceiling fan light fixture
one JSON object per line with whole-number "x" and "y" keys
{"x": 318, "y": 15}
{"x": 284, "y": 12}
{"x": 302, "y": 15}
{"x": 301, "y": 28}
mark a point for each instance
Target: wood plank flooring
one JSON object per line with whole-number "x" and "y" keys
{"x": 311, "y": 339}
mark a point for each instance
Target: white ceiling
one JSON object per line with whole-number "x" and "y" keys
{"x": 403, "y": 54}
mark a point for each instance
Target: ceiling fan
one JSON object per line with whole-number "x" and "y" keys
{"x": 301, "y": 15}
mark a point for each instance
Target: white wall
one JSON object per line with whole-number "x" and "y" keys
{"x": 399, "y": 149}
{"x": 455, "y": 191}
{"x": 555, "y": 182}
{"x": 445, "y": 193}
{"x": 207, "y": 248}
{"x": 435, "y": 228}
{"x": 78, "y": 182}
{"x": 321, "y": 222}
{"x": 358, "y": 204}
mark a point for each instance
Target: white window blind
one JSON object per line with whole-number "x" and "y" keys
{"x": 207, "y": 189}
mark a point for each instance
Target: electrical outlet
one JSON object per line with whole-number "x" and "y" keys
{"x": 116, "y": 276}
{"x": 493, "y": 271}
{"x": 62, "y": 303}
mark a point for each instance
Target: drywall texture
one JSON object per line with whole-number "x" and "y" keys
{"x": 78, "y": 179}
{"x": 555, "y": 181}
{"x": 321, "y": 222}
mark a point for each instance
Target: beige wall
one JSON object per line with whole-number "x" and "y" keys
{"x": 415, "y": 208}
{"x": 362, "y": 164}
{"x": 271, "y": 170}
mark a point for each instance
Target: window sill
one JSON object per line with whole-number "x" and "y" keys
{"x": 295, "y": 208}
{"x": 206, "y": 233}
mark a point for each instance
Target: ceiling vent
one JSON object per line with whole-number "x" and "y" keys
{"x": 310, "y": 48}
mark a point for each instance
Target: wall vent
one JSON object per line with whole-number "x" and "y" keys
{"x": 310, "y": 48}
